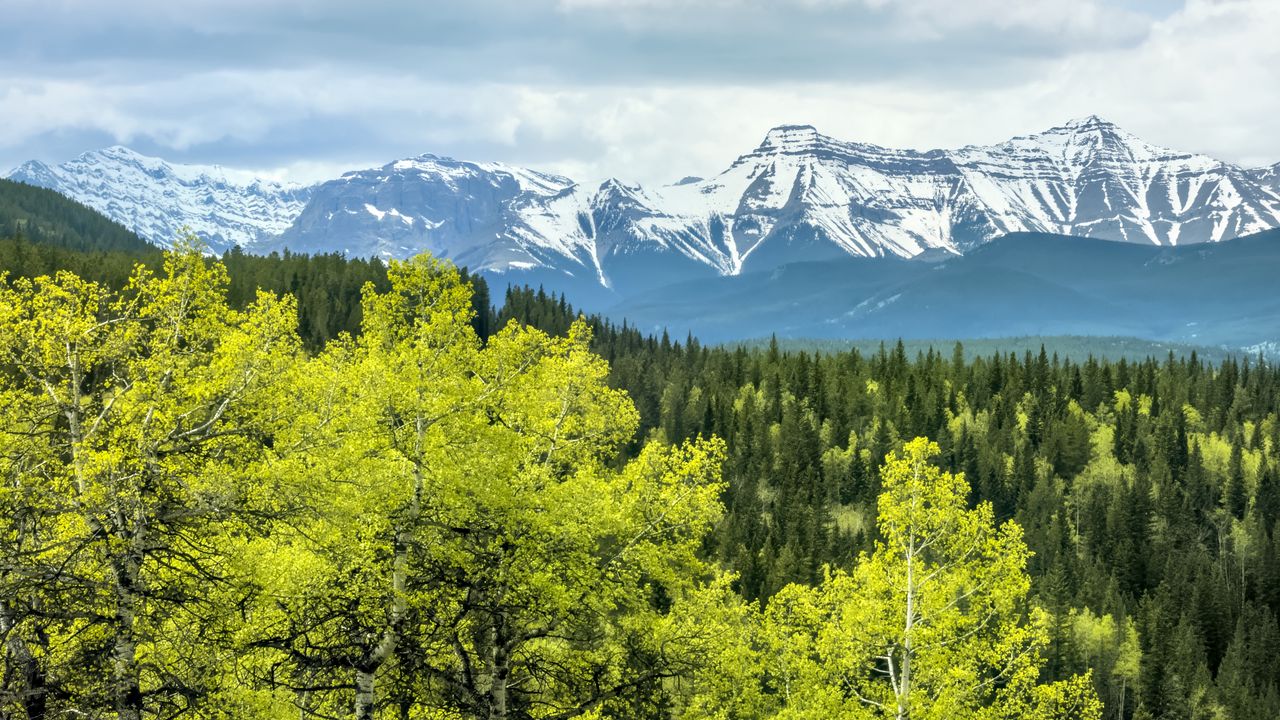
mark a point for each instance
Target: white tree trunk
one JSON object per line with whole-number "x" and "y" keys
{"x": 366, "y": 699}
{"x": 499, "y": 691}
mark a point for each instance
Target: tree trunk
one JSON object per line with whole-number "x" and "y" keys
{"x": 365, "y": 696}
{"x": 36, "y": 702}
{"x": 499, "y": 695}
{"x": 33, "y": 679}
{"x": 904, "y": 683}
{"x": 1120, "y": 711}
{"x": 126, "y": 686}
{"x": 126, "y": 565}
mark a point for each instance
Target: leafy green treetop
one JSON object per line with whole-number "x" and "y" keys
{"x": 467, "y": 546}
{"x": 933, "y": 624}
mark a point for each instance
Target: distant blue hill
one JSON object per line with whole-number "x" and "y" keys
{"x": 1023, "y": 284}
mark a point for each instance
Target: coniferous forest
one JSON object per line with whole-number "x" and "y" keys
{"x": 1148, "y": 492}
{"x": 364, "y": 492}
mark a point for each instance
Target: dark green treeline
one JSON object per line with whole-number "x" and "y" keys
{"x": 42, "y": 232}
{"x": 327, "y": 286}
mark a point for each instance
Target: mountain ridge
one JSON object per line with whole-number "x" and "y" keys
{"x": 1219, "y": 294}
{"x": 799, "y": 195}
{"x": 160, "y": 200}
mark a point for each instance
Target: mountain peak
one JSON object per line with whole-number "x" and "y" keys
{"x": 417, "y": 162}
{"x": 122, "y": 154}
{"x": 791, "y": 138}
{"x": 433, "y": 157}
{"x": 617, "y": 187}
{"x": 1090, "y": 137}
{"x": 1089, "y": 122}
{"x": 31, "y": 166}
{"x": 158, "y": 168}
{"x": 117, "y": 151}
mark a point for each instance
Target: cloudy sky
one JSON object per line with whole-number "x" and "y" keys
{"x": 646, "y": 90}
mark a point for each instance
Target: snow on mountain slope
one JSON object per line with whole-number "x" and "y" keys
{"x": 808, "y": 192}
{"x": 1091, "y": 178}
{"x": 157, "y": 199}
{"x": 798, "y": 196}
{"x": 483, "y": 215}
{"x": 1269, "y": 177}
{"x": 801, "y": 196}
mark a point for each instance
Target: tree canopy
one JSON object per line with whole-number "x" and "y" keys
{"x": 934, "y": 623}
{"x": 429, "y": 508}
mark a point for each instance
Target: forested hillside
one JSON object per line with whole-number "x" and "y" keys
{"x": 202, "y": 519}
{"x": 212, "y": 509}
{"x": 50, "y": 218}
{"x": 1217, "y": 294}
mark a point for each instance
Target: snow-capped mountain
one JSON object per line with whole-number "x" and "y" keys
{"x": 1087, "y": 177}
{"x": 498, "y": 218}
{"x": 798, "y": 196}
{"x": 1091, "y": 178}
{"x": 483, "y": 215}
{"x": 157, "y": 199}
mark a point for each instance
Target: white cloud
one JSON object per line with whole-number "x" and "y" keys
{"x": 1079, "y": 18}
{"x": 1205, "y": 80}
{"x": 1202, "y": 78}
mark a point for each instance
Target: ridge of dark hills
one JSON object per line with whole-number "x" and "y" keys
{"x": 1020, "y": 284}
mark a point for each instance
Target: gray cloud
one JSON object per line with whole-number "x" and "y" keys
{"x": 574, "y": 41}
{"x": 644, "y": 89}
